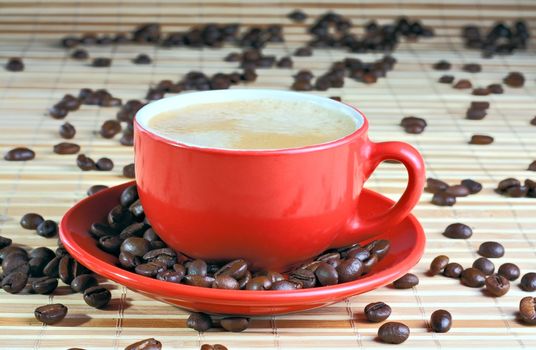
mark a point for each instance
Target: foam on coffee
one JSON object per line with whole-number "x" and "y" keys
{"x": 253, "y": 124}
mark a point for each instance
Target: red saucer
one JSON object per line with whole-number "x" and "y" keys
{"x": 407, "y": 246}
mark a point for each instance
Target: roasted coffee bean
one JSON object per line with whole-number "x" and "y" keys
{"x": 441, "y": 321}
{"x": 442, "y": 65}
{"x": 135, "y": 230}
{"x": 284, "y": 285}
{"x": 245, "y": 280}
{"x": 528, "y": 282}
{"x": 302, "y": 85}
{"x": 443, "y": 200}
{"x": 303, "y": 51}
{"x": 174, "y": 276}
{"x": 328, "y": 256}
{"x": 491, "y": 250}
{"x": 85, "y": 163}
{"x": 349, "y": 270}
{"x": 368, "y": 264}
{"x": 473, "y": 186}
{"x": 473, "y": 277}
{"x": 44, "y": 285}
{"x": 285, "y": 62}
{"x": 497, "y": 285}
{"x": 101, "y": 62}
{"x": 110, "y": 244}
{"x": 15, "y": 262}
{"x": 457, "y": 191}
{"x": 11, "y": 249}
{"x": 14, "y": 64}
{"x": 413, "y": 125}
{"x": 110, "y": 128}
{"x": 65, "y": 269}
{"x": 357, "y": 253}
{"x": 517, "y": 192}
{"x": 297, "y": 16}
{"x": 393, "y": 332}
{"x": 136, "y": 246}
{"x": 136, "y": 209}
{"x": 505, "y": 184}
{"x": 481, "y": 140}
{"x": 153, "y": 254}
{"x": 30, "y": 221}
{"x": 67, "y": 131}
{"x": 99, "y": 230}
{"x": 479, "y": 105}
{"x": 79, "y": 54}
{"x": 80, "y": 283}
{"x": 225, "y": 282}
{"x": 145, "y": 344}
{"x": 97, "y": 297}
{"x": 199, "y": 321}
{"x": 119, "y": 217}
{"x": 260, "y": 283}
{"x": 527, "y": 310}
{"x": 249, "y": 75}
{"x": 47, "y": 229}
{"x": 533, "y": 121}
{"x": 150, "y": 269}
{"x": 36, "y": 266}
{"x": 485, "y": 265}
{"x": 438, "y": 264}
{"x": 14, "y": 282}
{"x": 129, "y": 171}
{"x": 407, "y": 281}
{"x": 51, "y": 313}
{"x": 142, "y": 59}
{"x": 95, "y": 189}
{"x": 51, "y": 269}
{"x": 510, "y": 271}
{"x": 128, "y": 261}
{"x": 42, "y": 252}
{"x": 532, "y": 166}
{"x": 234, "y": 324}
{"x": 236, "y": 269}
{"x": 70, "y": 102}
{"x": 199, "y": 281}
{"x": 435, "y": 185}
{"x": 458, "y": 231}
{"x": 514, "y": 79}
{"x": 380, "y": 248}
{"x": 104, "y": 164}
{"x": 311, "y": 266}
{"x": 5, "y": 242}
{"x": 304, "y": 277}
{"x": 446, "y": 79}
{"x": 475, "y": 114}
{"x": 58, "y": 111}
{"x": 129, "y": 196}
{"x": 19, "y": 154}
{"x": 274, "y": 276}
{"x": 472, "y": 68}
{"x": 453, "y": 270}
{"x": 495, "y": 89}
{"x": 199, "y": 267}
{"x": 377, "y": 312}
{"x": 463, "y": 84}
{"x": 326, "y": 274}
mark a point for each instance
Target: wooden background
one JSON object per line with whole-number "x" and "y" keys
{"x": 50, "y": 184}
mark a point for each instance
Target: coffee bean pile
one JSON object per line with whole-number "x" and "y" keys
{"x": 334, "y": 30}
{"x": 511, "y": 187}
{"x": 445, "y": 194}
{"x": 501, "y": 39}
{"x": 413, "y": 125}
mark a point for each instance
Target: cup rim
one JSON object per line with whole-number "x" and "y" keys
{"x": 148, "y": 111}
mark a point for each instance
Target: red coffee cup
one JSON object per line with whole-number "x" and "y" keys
{"x": 273, "y": 208}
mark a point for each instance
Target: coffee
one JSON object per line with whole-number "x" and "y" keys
{"x": 254, "y": 124}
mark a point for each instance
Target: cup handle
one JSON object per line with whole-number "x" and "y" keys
{"x": 362, "y": 228}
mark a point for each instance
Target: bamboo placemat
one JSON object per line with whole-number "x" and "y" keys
{"x": 50, "y": 184}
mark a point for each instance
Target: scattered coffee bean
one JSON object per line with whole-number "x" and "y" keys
{"x": 481, "y": 140}
{"x": 377, "y": 312}
{"x": 438, "y": 264}
{"x": 442, "y": 199}
{"x": 413, "y": 125}
{"x": 491, "y": 250}
{"x": 533, "y": 121}
{"x": 442, "y": 65}
{"x": 85, "y": 163}
{"x": 285, "y": 62}
{"x": 67, "y": 131}
{"x": 104, "y": 164}
{"x": 145, "y": 344}
{"x": 407, "y": 281}
{"x": 475, "y": 114}
{"x": 97, "y": 297}
{"x": 47, "y": 229}
{"x": 95, "y": 188}
{"x": 458, "y": 231}
{"x": 30, "y": 221}
{"x": 441, "y": 321}
{"x": 44, "y": 285}
{"x": 495, "y": 89}
{"x": 14, "y": 64}
{"x": 110, "y": 128}
{"x": 58, "y": 111}
{"x": 435, "y": 185}
{"x": 14, "y": 282}
{"x": 66, "y": 148}
{"x": 472, "y": 68}
{"x": 527, "y": 310}
{"x": 532, "y": 166}
{"x": 485, "y": 265}
{"x": 528, "y": 282}
{"x": 505, "y": 184}
{"x": 303, "y": 52}
{"x": 19, "y": 154}
{"x": 463, "y": 84}
{"x": 80, "y": 54}
{"x": 5, "y": 242}
{"x": 479, "y": 105}
{"x": 199, "y": 321}
{"x": 51, "y": 269}
{"x": 393, "y": 332}
{"x": 446, "y": 79}
{"x": 514, "y": 79}
{"x": 82, "y": 282}
{"x": 101, "y": 62}
{"x": 457, "y": 191}
{"x": 142, "y": 59}
{"x": 234, "y": 324}
{"x": 480, "y": 91}
{"x": 129, "y": 171}
{"x": 472, "y": 277}
{"x": 473, "y": 186}
{"x": 497, "y": 285}
{"x": 50, "y": 313}
{"x": 453, "y": 270}
{"x": 510, "y": 271}
{"x": 297, "y": 16}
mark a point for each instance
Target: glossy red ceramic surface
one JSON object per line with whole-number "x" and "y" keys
{"x": 407, "y": 246}
{"x": 275, "y": 208}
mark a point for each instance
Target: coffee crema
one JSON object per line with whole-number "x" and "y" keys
{"x": 253, "y": 124}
